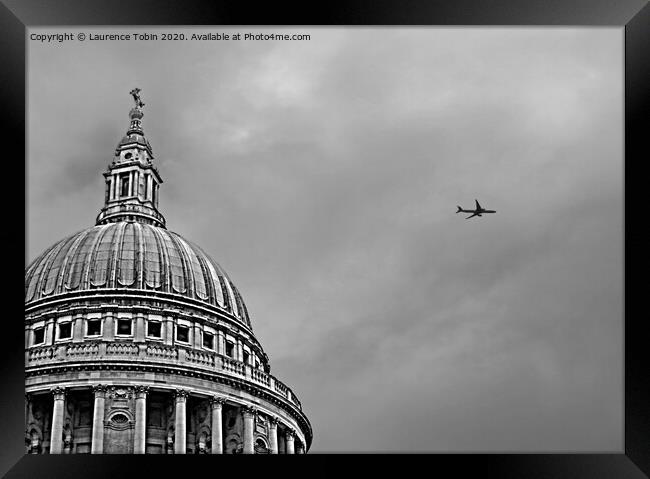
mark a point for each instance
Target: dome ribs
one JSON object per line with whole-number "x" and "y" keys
{"x": 61, "y": 286}
{"x": 177, "y": 265}
{"x": 140, "y": 256}
{"x": 54, "y": 268}
{"x": 207, "y": 277}
{"x": 165, "y": 269}
{"x": 153, "y": 263}
{"x": 186, "y": 263}
{"x": 134, "y": 256}
{"x": 35, "y": 270}
{"x": 91, "y": 278}
{"x": 128, "y": 257}
{"x": 116, "y": 253}
{"x": 75, "y": 262}
{"x": 215, "y": 269}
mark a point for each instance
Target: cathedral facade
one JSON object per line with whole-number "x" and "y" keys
{"x": 137, "y": 341}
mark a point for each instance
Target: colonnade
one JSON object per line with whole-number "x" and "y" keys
{"x": 180, "y": 424}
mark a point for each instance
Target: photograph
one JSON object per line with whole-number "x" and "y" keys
{"x": 324, "y": 239}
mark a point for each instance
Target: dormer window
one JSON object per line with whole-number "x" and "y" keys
{"x": 124, "y": 182}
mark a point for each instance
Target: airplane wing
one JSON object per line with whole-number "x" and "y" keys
{"x": 478, "y": 207}
{"x": 471, "y": 216}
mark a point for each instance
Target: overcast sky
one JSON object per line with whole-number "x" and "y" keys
{"x": 324, "y": 175}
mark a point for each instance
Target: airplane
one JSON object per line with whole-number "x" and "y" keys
{"x": 477, "y": 212}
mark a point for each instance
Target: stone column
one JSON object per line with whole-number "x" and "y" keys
{"x": 139, "y": 333}
{"x": 49, "y": 331}
{"x": 198, "y": 337}
{"x": 249, "y": 425}
{"x": 273, "y": 435}
{"x": 240, "y": 350}
{"x": 56, "y": 440}
{"x": 221, "y": 343}
{"x": 180, "y": 426}
{"x": 289, "y": 435}
{"x": 97, "y": 446}
{"x": 109, "y": 326}
{"x": 148, "y": 197}
{"x": 216, "y": 404}
{"x": 168, "y": 325}
{"x": 131, "y": 178}
{"x": 139, "y": 441}
{"x": 78, "y": 328}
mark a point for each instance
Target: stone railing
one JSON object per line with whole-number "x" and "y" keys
{"x": 91, "y": 349}
{"x": 41, "y": 354}
{"x": 122, "y": 349}
{"x": 160, "y": 353}
{"x": 200, "y": 357}
{"x": 233, "y": 366}
{"x": 260, "y": 377}
{"x": 163, "y": 352}
{"x": 281, "y": 388}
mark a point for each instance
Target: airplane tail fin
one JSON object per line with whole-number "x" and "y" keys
{"x": 459, "y": 209}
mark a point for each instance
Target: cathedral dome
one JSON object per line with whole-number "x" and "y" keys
{"x": 132, "y": 256}
{"x": 137, "y": 341}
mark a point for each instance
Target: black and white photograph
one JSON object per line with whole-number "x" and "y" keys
{"x": 292, "y": 240}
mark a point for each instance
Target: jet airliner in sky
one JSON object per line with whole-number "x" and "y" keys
{"x": 477, "y": 212}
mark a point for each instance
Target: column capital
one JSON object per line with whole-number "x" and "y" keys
{"x": 216, "y": 402}
{"x": 181, "y": 395}
{"x": 141, "y": 391}
{"x": 248, "y": 411}
{"x": 99, "y": 390}
{"x": 273, "y": 421}
{"x": 58, "y": 392}
{"x": 289, "y": 433}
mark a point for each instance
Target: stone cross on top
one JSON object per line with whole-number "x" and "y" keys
{"x": 136, "y": 97}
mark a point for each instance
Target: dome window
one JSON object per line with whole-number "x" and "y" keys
{"x": 39, "y": 336}
{"x": 128, "y": 156}
{"x": 65, "y": 330}
{"x": 182, "y": 334}
{"x": 208, "y": 340}
{"x": 230, "y": 348}
{"x": 124, "y": 327}
{"x": 246, "y": 356}
{"x": 154, "y": 329}
{"x": 94, "y": 327}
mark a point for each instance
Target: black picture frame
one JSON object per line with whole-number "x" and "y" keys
{"x": 17, "y": 15}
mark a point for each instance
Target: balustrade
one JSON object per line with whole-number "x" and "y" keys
{"x": 160, "y": 352}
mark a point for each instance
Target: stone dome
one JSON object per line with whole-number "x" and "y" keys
{"x": 133, "y": 138}
{"x": 133, "y": 256}
{"x": 137, "y": 341}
